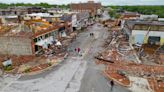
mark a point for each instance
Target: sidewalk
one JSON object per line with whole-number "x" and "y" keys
{"x": 56, "y": 81}
{"x": 43, "y": 66}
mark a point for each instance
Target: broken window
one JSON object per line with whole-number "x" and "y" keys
{"x": 46, "y": 36}
{"x": 35, "y": 40}
{"x": 154, "y": 40}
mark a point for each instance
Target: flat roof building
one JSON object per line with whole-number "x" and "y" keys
{"x": 89, "y": 6}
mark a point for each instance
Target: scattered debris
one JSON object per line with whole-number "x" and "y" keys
{"x": 122, "y": 61}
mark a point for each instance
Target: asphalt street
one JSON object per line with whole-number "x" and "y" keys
{"x": 93, "y": 80}
{"x": 78, "y": 74}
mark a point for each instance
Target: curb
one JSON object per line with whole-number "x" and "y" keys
{"x": 109, "y": 77}
{"x": 46, "y": 69}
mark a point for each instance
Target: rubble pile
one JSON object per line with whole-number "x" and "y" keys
{"x": 152, "y": 54}
{"x": 156, "y": 84}
{"x": 39, "y": 67}
{"x": 138, "y": 70}
{"x": 17, "y": 60}
{"x": 120, "y": 60}
{"x": 118, "y": 77}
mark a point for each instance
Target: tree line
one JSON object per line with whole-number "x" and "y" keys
{"x": 44, "y": 5}
{"x": 158, "y": 10}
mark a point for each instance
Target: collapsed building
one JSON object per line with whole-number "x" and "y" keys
{"x": 134, "y": 54}
{"x": 28, "y": 37}
{"x": 147, "y": 33}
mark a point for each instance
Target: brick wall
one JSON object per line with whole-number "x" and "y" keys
{"x": 15, "y": 46}
{"x": 90, "y": 7}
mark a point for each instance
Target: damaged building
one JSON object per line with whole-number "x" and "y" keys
{"x": 21, "y": 10}
{"x": 29, "y": 38}
{"x": 148, "y": 33}
{"x": 145, "y": 32}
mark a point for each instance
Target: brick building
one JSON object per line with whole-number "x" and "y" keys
{"x": 29, "y": 38}
{"x": 90, "y": 7}
{"x": 21, "y": 10}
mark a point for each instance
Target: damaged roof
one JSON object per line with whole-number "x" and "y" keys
{"x": 30, "y": 28}
{"x": 145, "y": 25}
{"x": 18, "y": 30}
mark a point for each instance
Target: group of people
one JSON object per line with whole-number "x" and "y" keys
{"x": 91, "y": 34}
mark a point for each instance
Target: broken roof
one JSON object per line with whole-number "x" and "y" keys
{"x": 145, "y": 25}
{"x": 30, "y": 28}
{"x": 66, "y": 17}
{"x": 18, "y": 30}
{"x": 141, "y": 24}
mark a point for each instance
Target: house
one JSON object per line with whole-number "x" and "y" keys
{"x": 147, "y": 32}
{"x": 90, "y": 7}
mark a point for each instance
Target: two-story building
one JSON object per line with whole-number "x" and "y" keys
{"x": 89, "y": 6}
{"x": 29, "y": 38}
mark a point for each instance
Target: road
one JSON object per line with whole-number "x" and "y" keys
{"x": 75, "y": 74}
{"x": 93, "y": 80}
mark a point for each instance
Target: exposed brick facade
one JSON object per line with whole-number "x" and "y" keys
{"x": 15, "y": 45}
{"x": 90, "y": 6}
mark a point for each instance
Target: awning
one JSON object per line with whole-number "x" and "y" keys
{"x": 45, "y": 42}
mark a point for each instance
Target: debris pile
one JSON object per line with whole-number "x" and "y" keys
{"x": 118, "y": 77}
{"x": 122, "y": 61}
{"x": 17, "y": 60}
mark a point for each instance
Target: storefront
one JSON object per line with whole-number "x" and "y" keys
{"x": 62, "y": 32}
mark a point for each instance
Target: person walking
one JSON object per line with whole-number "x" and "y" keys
{"x": 78, "y": 50}
{"x": 112, "y": 84}
{"x": 93, "y": 34}
{"x": 75, "y": 51}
